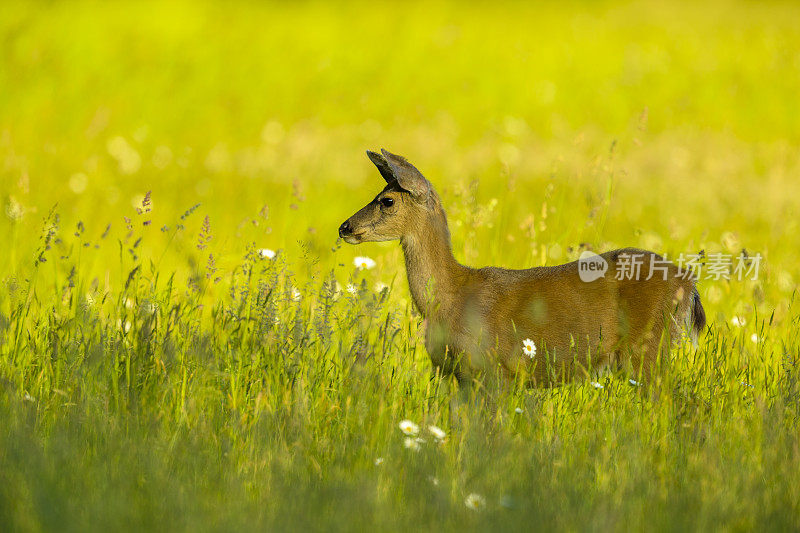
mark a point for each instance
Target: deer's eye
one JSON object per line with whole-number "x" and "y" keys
{"x": 387, "y": 202}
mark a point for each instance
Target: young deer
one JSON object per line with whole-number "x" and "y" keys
{"x": 477, "y": 319}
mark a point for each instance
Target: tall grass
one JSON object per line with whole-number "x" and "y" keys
{"x": 160, "y": 367}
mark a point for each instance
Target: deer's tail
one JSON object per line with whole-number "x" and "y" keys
{"x": 697, "y": 316}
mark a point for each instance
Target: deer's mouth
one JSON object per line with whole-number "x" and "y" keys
{"x": 354, "y": 238}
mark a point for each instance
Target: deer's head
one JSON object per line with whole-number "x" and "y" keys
{"x": 396, "y": 211}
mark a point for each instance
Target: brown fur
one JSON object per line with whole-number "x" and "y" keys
{"x": 476, "y": 319}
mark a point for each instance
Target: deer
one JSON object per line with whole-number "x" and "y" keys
{"x": 539, "y": 326}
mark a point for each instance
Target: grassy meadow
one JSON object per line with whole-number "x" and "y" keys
{"x": 161, "y": 368}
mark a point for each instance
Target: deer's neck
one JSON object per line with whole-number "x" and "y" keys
{"x": 434, "y": 276}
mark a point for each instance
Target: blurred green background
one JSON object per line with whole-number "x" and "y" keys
{"x": 231, "y": 104}
{"x": 132, "y": 398}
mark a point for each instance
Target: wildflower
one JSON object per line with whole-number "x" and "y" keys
{"x": 296, "y": 295}
{"x": 380, "y": 286}
{"x": 146, "y": 205}
{"x": 529, "y": 348}
{"x": 754, "y": 338}
{"x": 78, "y": 182}
{"x": 408, "y": 427}
{"x": 412, "y": 443}
{"x": 434, "y": 480}
{"x": 363, "y": 263}
{"x": 438, "y": 433}
{"x": 378, "y": 461}
{"x": 205, "y": 234}
{"x": 28, "y": 398}
{"x": 634, "y": 383}
{"x": 266, "y": 252}
{"x": 519, "y": 410}
{"x": 14, "y": 209}
{"x": 475, "y": 501}
{"x": 337, "y": 290}
{"x": 126, "y": 155}
{"x": 352, "y": 289}
{"x": 596, "y": 385}
{"x": 738, "y": 322}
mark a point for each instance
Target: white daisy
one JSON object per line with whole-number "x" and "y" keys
{"x": 519, "y": 410}
{"x": 754, "y": 338}
{"x": 378, "y": 461}
{"x": 412, "y": 444}
{"x": 529, "y": 348}
{"x": 363, "y": 263}
{"x": 380, "y": 286}
{"x": 266, "y": 252}
{"x": 408, "y": 427}
{"x": 738, "y": 322}
{"x": 437, "y": 432}
{"x": 475, "y": 501}
{"x": 596, "y": 385}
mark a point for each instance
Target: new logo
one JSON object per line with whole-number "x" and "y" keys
{"x": 591, "y": 266}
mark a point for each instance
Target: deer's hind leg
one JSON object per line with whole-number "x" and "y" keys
{"x": 666, "y": 332}
{"x": 645, "y": 355}
{"x": 646, "y": 339}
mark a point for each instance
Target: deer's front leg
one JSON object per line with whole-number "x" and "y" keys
{"x": 440, "y": 348}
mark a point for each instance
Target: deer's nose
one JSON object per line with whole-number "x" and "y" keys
{"x": 344, "y": 229}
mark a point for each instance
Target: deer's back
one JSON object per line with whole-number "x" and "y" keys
{"x": 565, "y": 316}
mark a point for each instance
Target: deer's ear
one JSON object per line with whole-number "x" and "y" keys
{"x": 408, "y": 177}
{"x": 383, "y": 167}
